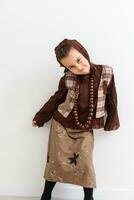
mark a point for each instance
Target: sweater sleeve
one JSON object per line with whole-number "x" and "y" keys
{"x": 112, "y": 119}
{"x": 47, "y": 110}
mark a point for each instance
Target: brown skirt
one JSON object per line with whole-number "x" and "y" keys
{"x": 70, "y": 156}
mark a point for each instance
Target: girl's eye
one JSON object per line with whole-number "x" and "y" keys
{"x": 71, "y": 66}
{"x": 78, "y": 60}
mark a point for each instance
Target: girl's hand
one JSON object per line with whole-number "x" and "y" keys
{"x": 34, "y": 123}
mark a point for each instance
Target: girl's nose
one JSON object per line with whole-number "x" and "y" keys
{"x": 80, "y": 68}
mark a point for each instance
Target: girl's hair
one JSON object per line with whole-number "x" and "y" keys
{"x": 62, "y": 53}
{"x": 63, "y": 48}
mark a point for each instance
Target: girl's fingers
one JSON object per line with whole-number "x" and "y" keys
{"x": 34, "y": 123}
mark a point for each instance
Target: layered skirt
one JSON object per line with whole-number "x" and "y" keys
{"x": 70, "y": 156}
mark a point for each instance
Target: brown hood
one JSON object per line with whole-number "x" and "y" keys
{"x": 76, "y": 45}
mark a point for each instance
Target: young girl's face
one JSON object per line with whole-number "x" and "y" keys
{"x": 76, "y": 62}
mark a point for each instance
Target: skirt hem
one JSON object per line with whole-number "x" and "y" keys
{"x": 69, "y": 182}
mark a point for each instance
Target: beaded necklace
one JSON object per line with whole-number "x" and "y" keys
{"x": 88, "y": 121}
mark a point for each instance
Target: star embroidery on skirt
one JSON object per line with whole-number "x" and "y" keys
{"x": 73, "y": 159}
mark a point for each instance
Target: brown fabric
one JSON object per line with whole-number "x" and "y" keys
{"x": 70, "y": 156}
{"x": 109, "y": 122}
{"x": 71, "y": 81}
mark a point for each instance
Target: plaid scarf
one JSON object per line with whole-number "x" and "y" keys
{"x": 104, "y": 83}
{"x": 71, "y": 81}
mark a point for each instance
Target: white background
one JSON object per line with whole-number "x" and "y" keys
{"x": 29, "y": 75}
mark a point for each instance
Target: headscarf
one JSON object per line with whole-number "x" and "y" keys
{"x": 72, "y": 43}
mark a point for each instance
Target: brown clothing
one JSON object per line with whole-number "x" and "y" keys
{"x": 70, "y": 156}
{"x": 109, "y": 122}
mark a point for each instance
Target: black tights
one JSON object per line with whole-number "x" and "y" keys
{"x": 88, "y": 193}
{"x": 49, "y": 185}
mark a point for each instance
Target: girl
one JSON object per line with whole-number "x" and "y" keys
{"x": 86, "y": 99}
